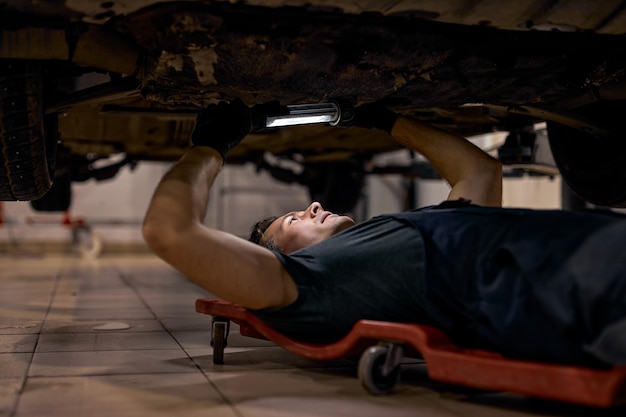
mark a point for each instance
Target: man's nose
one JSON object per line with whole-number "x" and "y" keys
{"x": 314, "y": 209}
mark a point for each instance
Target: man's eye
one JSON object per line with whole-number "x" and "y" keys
{"x": 293, "y": 219}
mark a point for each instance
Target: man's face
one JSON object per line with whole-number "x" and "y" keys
{"x": 298, "y": 229}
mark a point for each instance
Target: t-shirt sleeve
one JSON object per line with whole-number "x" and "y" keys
{"x": 309, "y": 318}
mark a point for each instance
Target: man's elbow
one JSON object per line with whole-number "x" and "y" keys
{"x": 158, "y": 238}
{"x": 484, "y": 186}
{"x": 149, "y": 233}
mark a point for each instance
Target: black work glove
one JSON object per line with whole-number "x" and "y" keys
{"x": 372, "y": 116}
{"x": 222, "y": 126}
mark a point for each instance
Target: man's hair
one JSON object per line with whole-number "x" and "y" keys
{"x": 258, "y": 230}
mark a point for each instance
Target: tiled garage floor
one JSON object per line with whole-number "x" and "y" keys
{"x": 54, "y": 363}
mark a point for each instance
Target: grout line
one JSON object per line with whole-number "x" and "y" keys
{"x": 126, "y": 281}
{"x": 22, "y": 387}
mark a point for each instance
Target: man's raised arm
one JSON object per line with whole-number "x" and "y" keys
{"x": 227, "y": 266}
{"x": 472, "y": 174}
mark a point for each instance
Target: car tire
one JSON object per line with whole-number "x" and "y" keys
{"x": 26, "y": 156}
{"x": 593, "y": 167}
{"x": 59, "y": 196}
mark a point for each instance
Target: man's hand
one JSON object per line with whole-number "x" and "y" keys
{"x": 372, "y": 116}
{"x": 222, "y": 126}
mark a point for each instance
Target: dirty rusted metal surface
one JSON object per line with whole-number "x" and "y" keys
{"x": 606, "y": 16}
{"x": 207, "y": 52}
{"x": 430, "y": 59}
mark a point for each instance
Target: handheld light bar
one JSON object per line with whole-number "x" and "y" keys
{"x": 302, "y": 114}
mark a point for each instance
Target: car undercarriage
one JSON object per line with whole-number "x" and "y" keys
{"x": 105, "y": 79}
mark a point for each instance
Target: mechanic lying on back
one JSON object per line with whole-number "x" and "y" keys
{"x": 540, "y": 285}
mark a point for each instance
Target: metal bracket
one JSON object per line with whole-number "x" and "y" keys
{"x": 395, "y": 354}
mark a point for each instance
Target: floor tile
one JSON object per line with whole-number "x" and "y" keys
{"x": 17, "y": 343}
{"x": 194, "y": 322}
{"x": 85, "y": 304}
{"x": 27, "y": 310}
{"x": 19, "y": 326}
{"x": 9, "y": 394}
{"x": 86, "y": 326}
{"x": 172, "y": 310}
{"x": 14, "y": 365}
{"x": 15, "y": 265}
{"x": 38, "y": 287}
{"x": 202, "y": 339}
{"x": 74, "y": 294}
{"x": 105, "y": 341}
{"x": 86, "y": 280}
{"x": 102, "y": 313}
{"x": 28, "y": 304}
{"x": 151, "y": 395}
{"x": 319, "y": 392}
{"x": 166, "y": 304}
{"x": 111, "y": 363}
{"x": 237, "y": 359}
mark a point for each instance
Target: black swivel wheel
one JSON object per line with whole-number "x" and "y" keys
{"x": 379, "y": 368}
{"x": 219, "y": 336}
